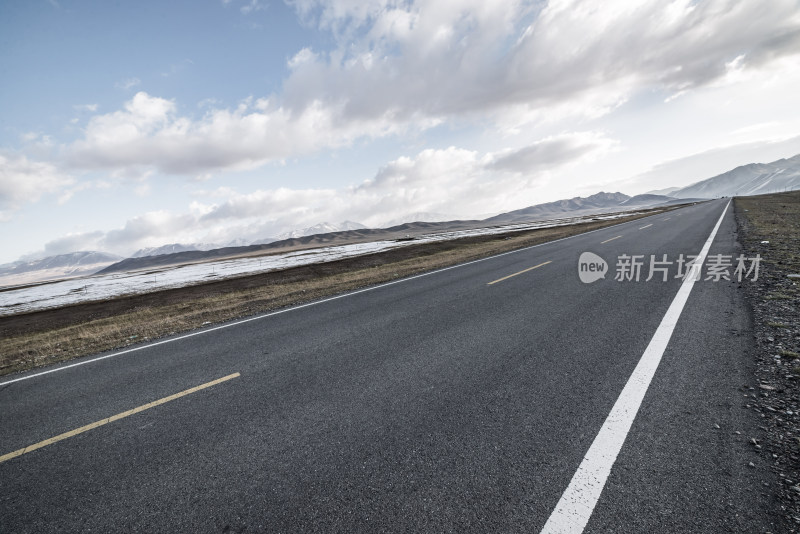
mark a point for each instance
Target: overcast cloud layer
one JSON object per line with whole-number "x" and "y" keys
{"x": 532, "y": 95}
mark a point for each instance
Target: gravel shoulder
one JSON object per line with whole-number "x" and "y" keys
{"x": 769, "y": 226}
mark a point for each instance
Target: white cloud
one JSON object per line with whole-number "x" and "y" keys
{"x": 435, "y": 59}
{"x": 24, "y": 181}
{"x": 72, "y": 242}
{"x": 461, "y": 181}
{"x": 752, "y": 128}
{"x": 147, "y": 228}
{"x": 67, "y": 194}
{"x": 177, "y": 68}
{"x": 408, "y": 66}
{"x": 451, "y": 180}
{"x": 148, "y": 132}
{"x": 37, "y": 139}
{"x": 522, "y": 68}
{"x": 303, "y": 56}
{"x": 435, "y": 180}
{"x": 127, "y": 83}
{"x": 251, "y": 6}
{"x": 281, "y": 204}
{"x": 207, "y": 102}
{"x": 552, "y": 152}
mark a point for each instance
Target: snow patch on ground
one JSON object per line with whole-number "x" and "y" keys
{"x": 103, "y": 287}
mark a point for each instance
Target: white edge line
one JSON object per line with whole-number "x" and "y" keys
{"x": 578, "y": 501}
{"x": 314, "y": 303}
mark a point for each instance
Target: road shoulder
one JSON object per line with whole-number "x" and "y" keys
{"x": 769, "y": 226}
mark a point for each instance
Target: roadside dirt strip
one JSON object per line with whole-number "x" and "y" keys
{"x": 769, "y": 225}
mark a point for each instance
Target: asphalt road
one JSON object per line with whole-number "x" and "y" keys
{"x": 440, "y": 403}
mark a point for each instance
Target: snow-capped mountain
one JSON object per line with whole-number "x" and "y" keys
{"x": 666, "y": 191}
{"x": 55, "y": 267}
{"x": 322, "y": 228}
{"x": 238, "y": 242}
{"x": 172, "y": 248}
{"x": 598, "y": 201}
{"x": 752, "y": 179}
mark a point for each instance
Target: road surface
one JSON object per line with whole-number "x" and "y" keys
{"x": 464, "y": 400}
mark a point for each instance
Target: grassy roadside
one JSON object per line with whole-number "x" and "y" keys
{"x": 774, "y": 218}
{"x": 769, "y": 225}
{"x": 41, "y": 338}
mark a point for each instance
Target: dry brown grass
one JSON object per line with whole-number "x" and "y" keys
{"x": 774, "y": 218}
{"x": 43, "y": 338}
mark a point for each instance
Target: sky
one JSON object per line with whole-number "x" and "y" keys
{"x": 126, "y": 125}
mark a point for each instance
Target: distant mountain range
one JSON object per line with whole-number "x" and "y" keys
{"x": 55, "y": 267}
{"x": 172, "y": 249}
{"x": 578, "y": 206}
{"x": 175, "y": 248}
{"x": 666, "y": 191}
{"x": 240, "y": 242}
{"x": 574, "y": 207}
{"x": 426, "y": 216}
{"x": 322, "y": 228}
{"x": 752, "y": 179}
{"x": 597, "y": 201}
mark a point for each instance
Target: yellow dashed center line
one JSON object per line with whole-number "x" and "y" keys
{"x": 612, "y": 239}
{"x": 113, "y": 418}
{"x": 643, "y": 227}
{"x": 515, "y": 274}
